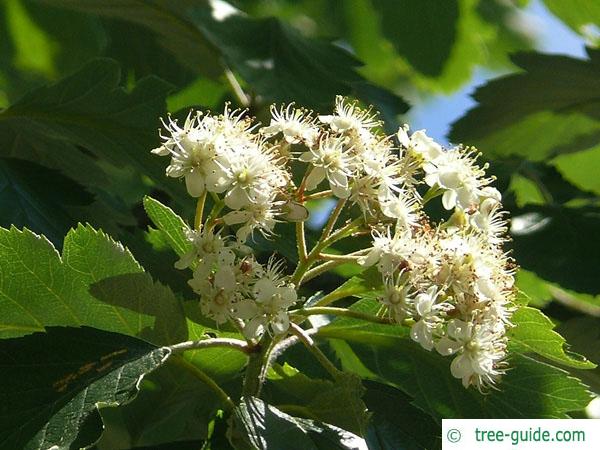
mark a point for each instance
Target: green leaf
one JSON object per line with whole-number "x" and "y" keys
{"x": 48, "y": 395}
{"x": 172, "y": 23}
{"x": 583, "y": 334}
{"x": 281, "y": 64}
{"x": 395, "y": 423}
{"x": 170, "y": 224}
{"x": 257, "y": 425}
{"x": 467, "y": 34}
{"x": 172, "y": 406}
{"x": 424, "y": 42}
{"x": 221, "y": 364}
{"x": 364, "y": 285}
{"x": 554, "y": 243}
{"x": 551, "y": 107}
{"x": 533, "y": 332}
{"x": 580, "y": 168}
{"x": 577, "y": 13}
{"x": 141, "y": 52}
{"x": 96, "y": 282}
{"x": 274, "y": 59}
{"x": 539, "y": 292}
{"x": 385, "y": 353}
{"x": 60, "y": 26}
{"x": 38, "y": 198}
{"x": 90, "y": 110}
{"x": 33, "y": 49}
{"x": 336, "y": 403}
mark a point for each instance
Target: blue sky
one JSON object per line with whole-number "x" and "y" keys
{"x": 438, "y": 112}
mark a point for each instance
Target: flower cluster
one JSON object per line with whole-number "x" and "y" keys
{"x": 449, "y": 280}
{"x": 232, "y": 285}
{"x": 222, "y": 155}
{"x": 453, "y": 282}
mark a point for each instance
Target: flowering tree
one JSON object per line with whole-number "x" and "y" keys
{"x": 270, "y": 275}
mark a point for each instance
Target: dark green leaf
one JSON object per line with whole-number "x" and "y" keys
{"x": 47, "y": 395}
{"x": 338, "y": 403}
{"x": 59, "y": 27}
{"x": 386, "y": 353}
{"x": 396, "y": 423}
{"x": 38, "y": 198}
{"x": 427, "y": 33}
{"x": 171, "y": 22}
{"x": 89, "y": 110}
{"x": 583, "y": 334}
{"x": 281, "y": 64}
{"x": 551, "y": 107}
{"x": 257, "y": 425}
{"x": 172, "y": 406}
{"x": 554, "y": 243}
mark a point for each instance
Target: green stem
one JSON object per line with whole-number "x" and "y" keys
{"x": 253, "y": 378}
{"x": 324, "y": 242}
{"x": 199, "y": 211}
{"x": 318, "y": 195}
{"x": 343, "y": 258}
{"x": 219, "y": 204}
{"x": 228, "y": 404}
{"x": 301, "y": 241}
{"x": 341, "y": 312}
{"x": 317, "y": 353}
{"x": 235, "y": 344}
{"x": 320, "y": 269}
{"x": 335, "y": 214}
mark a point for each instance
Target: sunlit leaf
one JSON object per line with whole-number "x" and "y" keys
{"x": 534, "y": 332}
{"x": 550, "y": 108}
{"x": 96, "y": 282}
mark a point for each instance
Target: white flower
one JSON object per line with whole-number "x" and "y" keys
{"x": 217, "y": 295}
{"x": 268, "y": 309}
{"x": 480, "y": 350}
{"x": 489, "y": 219}
{"x": 455, "y": 171}
{"x": 192, "y": 151}
{"x": 333, "y": 161}
{"x": 295, "y": 124}
{"x": 420, "y": 144}
{"x": 429, "y": 316}
{"x": 245, "y": 173}
{"x": 404, "y": 252}
{"x": 382, "y": 252}
{"x": 259, "y": 215}
{"x": 402, "y": 207}
{"x": 395, "y": 297}
{"x": 348, "y": 116}
{"x": 205, "y": 243}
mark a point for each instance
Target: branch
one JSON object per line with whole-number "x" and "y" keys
{"x": 309, "y": 343}
{"x": 235, "y": 344}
